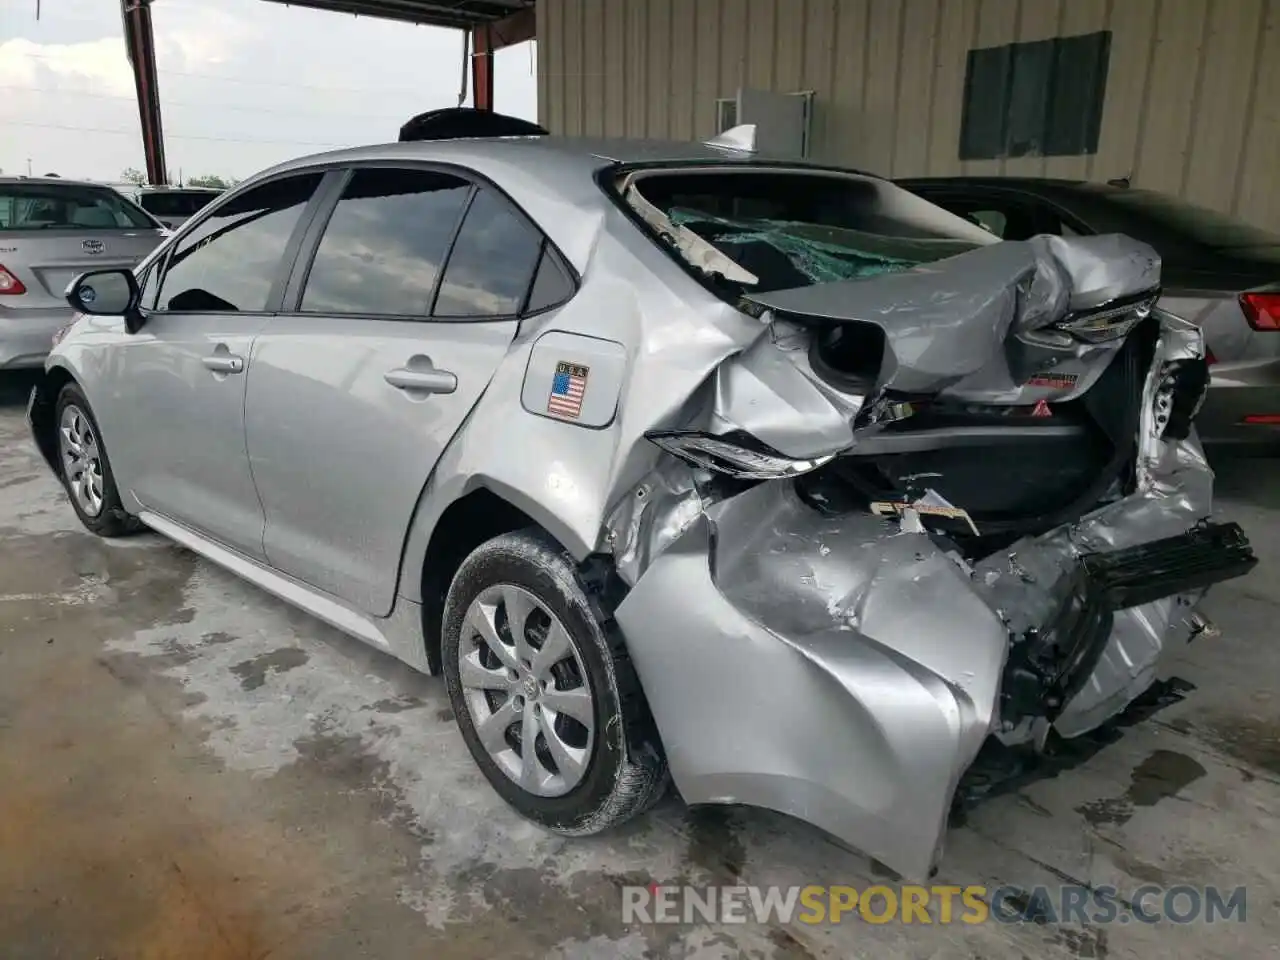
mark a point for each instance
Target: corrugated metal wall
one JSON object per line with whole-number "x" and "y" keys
{"x": 1192, "y": 101}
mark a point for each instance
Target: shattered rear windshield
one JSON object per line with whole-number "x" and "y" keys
{"x": 792, "y": 229}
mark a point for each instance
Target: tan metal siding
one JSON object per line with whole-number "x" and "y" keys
{"x": 1192, "y": 104}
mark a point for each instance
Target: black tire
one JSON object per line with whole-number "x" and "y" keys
{"x": 112, "y": 520}
{"x": 627, "y": 771}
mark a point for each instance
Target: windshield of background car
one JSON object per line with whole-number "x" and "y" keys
{"x": 1203, "y": 227}
{"x": 174, "y": 204}
{"x": 797, "y": 228}
{"x": 28, "y": 206}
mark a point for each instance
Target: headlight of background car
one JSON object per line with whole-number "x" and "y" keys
{"x": 739, "y": 455}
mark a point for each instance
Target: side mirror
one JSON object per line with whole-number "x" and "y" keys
{"x": 107, "y": 293}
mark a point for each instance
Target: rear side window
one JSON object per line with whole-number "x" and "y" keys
{"x": 552, "y": 285}
{"x": 492, "y": 262}
{"x": 232, "y": 259}
{"x": 38, "y": 206}
{"x": 385, "y": 243}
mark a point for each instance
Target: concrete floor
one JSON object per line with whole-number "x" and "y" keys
{"x": 189, "y": 769}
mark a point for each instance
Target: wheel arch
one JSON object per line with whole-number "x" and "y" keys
{"x": 435, "y": 553}
{"x": 42, "y": 413}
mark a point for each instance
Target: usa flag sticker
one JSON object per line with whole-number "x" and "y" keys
{"x": 567, "y": 389}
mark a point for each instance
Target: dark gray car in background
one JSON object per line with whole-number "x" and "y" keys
{"x": 1217, "y": 271}
{"x": 51, "y": 231}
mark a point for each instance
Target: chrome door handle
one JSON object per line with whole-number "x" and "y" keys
{"x": 422, "y": 381}
{"x": 224, "y": 363}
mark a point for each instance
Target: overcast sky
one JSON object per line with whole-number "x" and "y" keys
{"x": 243, "y": 84}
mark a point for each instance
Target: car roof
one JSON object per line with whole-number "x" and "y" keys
{"x": 54, "y": 182}
{"x": 551, "y": 177}
{"x": 549, "y": 156}
{"x": 167, "y": 188}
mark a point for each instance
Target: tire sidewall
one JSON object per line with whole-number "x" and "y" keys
{"x": 546, "y": 572}
{"x": 112, "y": 518}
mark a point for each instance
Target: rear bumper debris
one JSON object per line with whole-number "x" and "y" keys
{"x": 847, "y": 668}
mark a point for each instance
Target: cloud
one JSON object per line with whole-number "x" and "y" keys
{"x": 98, "y": 66}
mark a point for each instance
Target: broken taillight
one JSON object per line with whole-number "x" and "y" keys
{"x": 1262, "y": 310}
{"x": 740, "y": 455}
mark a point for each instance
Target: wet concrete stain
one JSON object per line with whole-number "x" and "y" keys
{"x": 445, "y": 716}
{"x": 253, "y": 673}
{"x": 215, "y": 638}
{"x": 999, "y": 770}
{"x": 713, "y": 842}
{"x": 1254, "y": 742}
{"x": 393, "y": 705}
{"x": 1089, "y": 943}
{"x": 1162, "y": 775}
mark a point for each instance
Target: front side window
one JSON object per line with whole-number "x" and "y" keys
{"x": 39, "y": 206}
{"x": 385, "y": 243}
{"x": 795, "y": 228}
{"x": 231, "y": 260}
{"x": 492, "y": 262}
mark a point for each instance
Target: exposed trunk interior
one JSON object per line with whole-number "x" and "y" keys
{"x": 1014, "y": 472}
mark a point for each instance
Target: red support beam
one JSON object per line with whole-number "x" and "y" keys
{"x": 140, "y": 45}
{"x": 482, "y": 67}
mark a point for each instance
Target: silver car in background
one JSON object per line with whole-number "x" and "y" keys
{"x": 773, "y": 477}
{"x": 52, "y": 230}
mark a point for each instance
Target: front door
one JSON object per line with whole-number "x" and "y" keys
{"x": 185, "y": 371}
{"x": 354, "y": 395}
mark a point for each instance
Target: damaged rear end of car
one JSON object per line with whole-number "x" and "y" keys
{"x": 950, "y": 492}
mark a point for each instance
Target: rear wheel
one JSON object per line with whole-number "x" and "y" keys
{"x": 544, "y": 693}
{"x": 85, "y": 469}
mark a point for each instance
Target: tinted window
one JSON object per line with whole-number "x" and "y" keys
{"x": 551, "y": 284}
{"x": 26, "y": 206}
{"x": 230, "y": 261}
{"x": 150, "y": 287}
{"x": 175, "y": 203}
{"x": 492, "y": 261}
{"x": 1206, "y": 228}
{"x": 384, "y": 244}
{"x": 1004, "y": 219}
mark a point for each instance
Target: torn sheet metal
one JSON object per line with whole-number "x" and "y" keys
{"x": 955, "y": 319}
{"x": 871, "y": 654}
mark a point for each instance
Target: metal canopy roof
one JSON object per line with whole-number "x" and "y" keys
{"x": 461, "y": 14}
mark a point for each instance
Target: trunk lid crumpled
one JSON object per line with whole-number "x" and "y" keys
{"x": 840, "y": 644}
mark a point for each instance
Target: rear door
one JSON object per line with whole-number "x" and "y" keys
{"x": 181, "y": 378}
{"x": 397, "y": 323}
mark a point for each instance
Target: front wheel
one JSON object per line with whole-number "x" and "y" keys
{"x": 85, "y": 469}
{"x": 544, "y": 693}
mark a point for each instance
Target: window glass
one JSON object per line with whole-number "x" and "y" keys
{"x": 1203, "y": 227}
{"x": 492, "y": 262}
{"x": 383, "y": 246}
{"x": 230, "y": 261}
{"x": 793, "y": 229}
{"x": 150, "y": 286}
{"x": 551, "y": 285}
{"x": 57, "y": 206}
{"x": 176, "y": 203}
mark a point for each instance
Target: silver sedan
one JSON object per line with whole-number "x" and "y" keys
{"x": 51, "y": 230}
{"x": 771, "y": 478}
